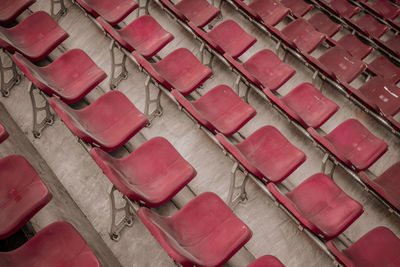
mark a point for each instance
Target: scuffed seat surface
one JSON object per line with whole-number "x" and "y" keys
{"x": 324, "y": 24}
{"x": 200, "y": 12}
{"x": 320, "y": 205}
{"x": 298, "y": 8}
{"x": 266, "y": 261}
{"x": 3, "y": 133}
{"x": 344, "y": 8}
{"x": 220, "y": 110}
{"x": 379, "y": 247}
{"x": 205, "y": 232}
{"x": 394, "y": 44}
{"x": 11, "y": 9}
{"x": 267, "y": 154}
{"x": 371, "y": 26}
{"x": 151, "y": 175}
{"x": 268, "y": 69}
{"x": 386, "y": 69}
{"x": 313, "y": 108}
{"x": 111, "y": 11}
{"x": 182, "y": 71}
{"x": 387, "y": 184}
{"x": 270, "y": 11}
{"x": 58, "y": 244}
{"x": 354, "y": 46}
{"x": 231, "y": 38}
{"x": 35, "y": 37}
{"x": 22, "y": 194}
{"x": 71, "y": 76}
{"x": 109, "y": 122}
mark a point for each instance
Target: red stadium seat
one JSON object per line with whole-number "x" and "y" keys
{"x": 22, "y": 194}
{"x": 385, "y": 9}
{"x": 298, "y": 8}
{"x": 109, "y": 122}
{"x": 266, "y": 153}
{"x": 11, "y": 9}
{"x": 3, "y": 133}
{"x": 306, "y": 105}
{"x": 343, "y": 8}
{"x": 270, "y": 11}
{"x": 355, "y": 47}
{"x": 303, "y": 35}
{"x": 58, "y": 244}
{"x": 393, "y": 44}
{"x": 151, "y": 175}
{"x": 370, "y": 26}
{"x": 320, "y": 205}
{"x": 179, "y": 70}
{"x": 205, "y": 232}
{"x": 35, "y": 37}
{"x": 143, "y": 35}
{"x": 324, "y": 24}
{"x": 230, "y": 38}
{"x": 111, "y": 11}
{"x": 383, "y": 67}
{"x": 353, "y": 144}
{"x": 268, "y": 70}
{"x": 378, "y": 247}
{"x": 387, "y": 185}
{"x": 71, "y": 76}
{"x": 220, "y": 110}
{"x": 199, "y": 12}
{"x": 341, "y": 64}
{"x": 266, "y": 261}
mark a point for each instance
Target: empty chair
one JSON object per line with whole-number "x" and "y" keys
{"x": 199, "y": 12}
{"x": 151, "y": 175}
{"x": 353, "y": 144}
{"x": 71, "y": 76}
{"x": 220, "y": 110}
{"x": 387, "y": 185}
{"x": 271, "y": 12}
{"x": 11, "y": 9}
{"x": 380, "y": 95}
{"x": 3, "y": 133}
{"x": 143, "y": 35}
{"x": 339, "y": 64}
{"x": 205, "y": 232}
{"x": 180, "y": 70}
{"x": 230, "y": 38}
{"x": 266, "y": 261}
{"x": 394, "y": 45}
{"x": 109, "y": 122}
{"x": 320, "y": 205}
{"x": 35, "y": 37}
{"x": 385, "y": 9}
{"x": 370, "y": 26}
{"x": 306, "y": 105}
{"x": 383, "y": 67}
{"x": 265, "y": 69}
{"x": 378, "y": 247}
{"x": 22, "y": 194}
{"x": 266, "y": 153}
{"x": 298, "y": 8}
{"x": 111, "y": 11}
{"x": 355, "y": 47}
{"x": 324, "y": 24}
{"x": 58, "y": 244}
{"x": 303, "y": 35}
{"x": 343, "y": 8}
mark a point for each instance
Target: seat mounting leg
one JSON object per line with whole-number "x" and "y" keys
{"x": 158, "y": 111}
{"x": 61, "y": 12}
{"x": 15, "y": 79}
{"x": 325, "y": 160}
{"x": 38, "y": 127}
{"x": 127, "y": 220}
{"x": 245, "y": 96}
{"x": 115, "y": 80}
{"x": 203, "y": 52}
{"x": 241, "y": 196}
{"x": 144, "y": 7}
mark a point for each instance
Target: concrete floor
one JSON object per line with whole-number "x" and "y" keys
{"x": 273, "y": 232}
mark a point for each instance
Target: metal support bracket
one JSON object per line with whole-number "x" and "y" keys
{"x": 325, "y": 160}
{"x": 115, "y": 80}
{"x": 245, "y": 96}
{"x": 215, "y": 21}
{"x": 241, "y": 196}
{"x": 127, "y": 220}
{"x": 15, "y": 79}
{"x": 38, "y": 127}
{"x": 203, "y": 52}
{"x": 61, "y": 12}
{"x": 158, "y": 111}
{"x": 144, "y": 7}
